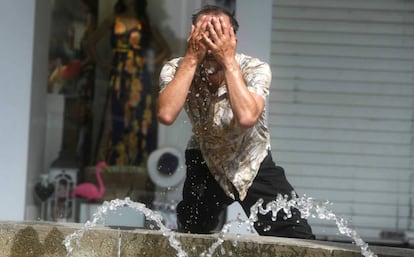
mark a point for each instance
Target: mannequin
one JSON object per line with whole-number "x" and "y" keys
{"x": 127, "y": 135}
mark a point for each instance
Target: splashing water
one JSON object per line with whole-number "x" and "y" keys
{"x": 308, "y": 207}
{"x": 114, "y": 205}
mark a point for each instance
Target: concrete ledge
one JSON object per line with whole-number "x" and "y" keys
{"x": 40, "y": 239}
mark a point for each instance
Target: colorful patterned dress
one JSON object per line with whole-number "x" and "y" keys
{"x": 132, "y": 134}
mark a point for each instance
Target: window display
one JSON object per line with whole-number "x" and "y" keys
{"x": 106, "y": 97}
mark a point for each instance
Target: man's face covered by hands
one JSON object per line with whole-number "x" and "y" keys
{"x": 212, "y": 38}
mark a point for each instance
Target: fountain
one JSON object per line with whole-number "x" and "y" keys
{"x": 304, "y": 204}
{"x": 39, "y": 239}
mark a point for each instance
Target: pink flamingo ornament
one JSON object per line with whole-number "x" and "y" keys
{"x": 91, "y": 191}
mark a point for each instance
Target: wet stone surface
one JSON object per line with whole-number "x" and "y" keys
{"x": 46, "y": 240}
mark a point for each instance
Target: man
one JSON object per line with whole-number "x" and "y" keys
{"x": 228, "y": 157}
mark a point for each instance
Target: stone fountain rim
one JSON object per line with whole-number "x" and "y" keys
{"x": 254, "y": 238}
{"x": 228, "y": 237}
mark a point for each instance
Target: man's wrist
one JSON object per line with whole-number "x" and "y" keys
{"x": 231, "y": 65}
{"x": 190, "y": 60}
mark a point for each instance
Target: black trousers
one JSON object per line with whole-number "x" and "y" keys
{"x": 204, "y": 200}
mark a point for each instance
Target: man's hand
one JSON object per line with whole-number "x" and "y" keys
{"x": 195, "y": 47}
{"x": 220, "y": 40}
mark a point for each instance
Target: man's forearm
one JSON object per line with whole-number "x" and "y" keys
{"x": 171, "y": 100}
{"x": 245, "y": 105}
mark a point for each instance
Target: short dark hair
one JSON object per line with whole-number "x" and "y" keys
{"x": 213, "y": 9}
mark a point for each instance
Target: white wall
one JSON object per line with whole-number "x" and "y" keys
{"x": 255, "y": 22}
{"x": 38, "y": 104}
{"x": 17, "y": 19}
{"x": 174, "y": 20}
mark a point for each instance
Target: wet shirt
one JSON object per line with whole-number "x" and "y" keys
{"x": 233, "y": 154}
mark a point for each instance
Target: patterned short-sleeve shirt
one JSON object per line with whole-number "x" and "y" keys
{"x": 233, "y": 154}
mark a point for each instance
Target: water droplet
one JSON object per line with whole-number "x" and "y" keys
{"x": 234, "y": 242}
